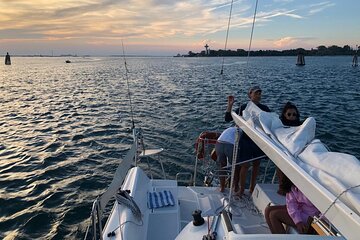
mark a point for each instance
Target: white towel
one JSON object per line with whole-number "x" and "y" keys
{"x": 160, "y": 199}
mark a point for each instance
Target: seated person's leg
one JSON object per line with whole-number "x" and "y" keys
{"x": 255, "y": 152}
{"x": 221, "y": 162}
{"x": 243, "y": 172}
{"x": 254, "y": 174}
{"x": 229, "y": 148}
{"x": 235, "y": 185}
{"x": 268, "y": 209}
{"x": 275, "y": 217}
{"x": 244, "y": 154}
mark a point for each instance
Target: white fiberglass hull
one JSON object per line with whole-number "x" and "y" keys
{"x": 176, "y": 222}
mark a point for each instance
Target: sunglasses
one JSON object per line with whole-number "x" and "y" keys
{"x": 291, "y": 114}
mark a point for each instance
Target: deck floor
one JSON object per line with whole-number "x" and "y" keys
{"x": 246, "y": 217}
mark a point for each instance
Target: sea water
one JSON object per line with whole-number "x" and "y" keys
{"x": 64, "y": 127}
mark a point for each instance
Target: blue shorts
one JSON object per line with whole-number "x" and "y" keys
{"x": 224, "y": 152}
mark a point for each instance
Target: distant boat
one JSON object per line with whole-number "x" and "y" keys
{"x": 7, "y": 59}
{"x": 355, "y": 60}
{"x": 300, "y": 60}
{"x": 68, "y": 61}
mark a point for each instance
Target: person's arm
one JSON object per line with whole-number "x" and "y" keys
{"x": 230, "y": 103}
{"x": 264, "y": 108}
{"x": 228, "y": 117}
{"x": 242, "y": 108}
{"x": 267, "y": 109}
{"x": 292, "y": 206}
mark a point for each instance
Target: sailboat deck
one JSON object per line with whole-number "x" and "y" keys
{"x": 246, "y": 218}
{"x": 240, "y": 218}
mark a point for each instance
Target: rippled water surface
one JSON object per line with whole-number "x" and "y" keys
{"x": 64, "y": 127}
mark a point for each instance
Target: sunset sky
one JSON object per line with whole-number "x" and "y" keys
{"x": 168, "y": 27}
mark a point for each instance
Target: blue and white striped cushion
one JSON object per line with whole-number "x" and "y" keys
{"x": 160, "y": 199}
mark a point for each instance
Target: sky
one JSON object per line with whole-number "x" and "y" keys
{"x": 168, "y": 27}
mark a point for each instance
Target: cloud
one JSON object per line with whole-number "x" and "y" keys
{"x": 291, "y": 42}
{"x": 319, "y": 7}
{"x": 163, "y": 22}
{"x": 285, "y": 42}
{"x": 278, "y": 13}
{"x": 118, "y": 19}
{"x": 203, "y": 42}
{"x": 283, "y": 1}
{"x": 108, "y": 18}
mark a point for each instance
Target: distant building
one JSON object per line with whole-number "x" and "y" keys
{"x": 207, "y": 49}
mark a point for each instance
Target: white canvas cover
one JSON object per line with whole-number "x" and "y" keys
{"x": 336, "y": 171}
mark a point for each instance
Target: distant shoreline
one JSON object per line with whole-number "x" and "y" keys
{"x": 168, "y": 56}
{"x": 83, "y": 56}
{"x": 319, "y": 51}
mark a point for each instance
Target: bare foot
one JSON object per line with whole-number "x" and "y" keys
{"x": 238, "y": 193}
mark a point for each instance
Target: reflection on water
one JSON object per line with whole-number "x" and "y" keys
{"x": 64, "y": 126}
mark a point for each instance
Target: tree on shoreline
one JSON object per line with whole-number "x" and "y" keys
{"x": 319, "y": 51}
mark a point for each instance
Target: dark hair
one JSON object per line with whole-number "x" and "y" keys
{"x": 285, "y": 184}
{"x": 296, "y": 122}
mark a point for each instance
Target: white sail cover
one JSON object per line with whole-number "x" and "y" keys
{"x": 294, "y": 147}
{"x": 335, "y": 171}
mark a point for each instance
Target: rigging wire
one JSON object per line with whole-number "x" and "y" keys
{"x": 247, "y": 63}
{"x": 252, "y": 33}
{"x": 246, "y": 72}
{"x": 334, "y": 201}
{"x": 128, "y": 88}
{"x": 227, "y": 36}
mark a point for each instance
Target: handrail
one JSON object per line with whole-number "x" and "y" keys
{"x": 133, "y": 155}
{"x": 119, "y": 176}
{"x": 205, "y": 138}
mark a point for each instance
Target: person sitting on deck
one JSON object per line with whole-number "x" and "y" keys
{"x": 290, "y": 116}
{"x": 247, "y": 148}
{"x": 295, "y": 213}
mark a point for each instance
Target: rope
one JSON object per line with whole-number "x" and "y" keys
{"x": 112, "y": 233}
{"x": 246, "y": 161}
{"x": 246, "y": 202}
{"x": 125, "y": 199}
{"x": 235, "y": 152}
{"x": 128, "y": 88}
{"x": 250, "y": 43}
{"x": 227, "y": 36}
{"x": 252, "y": 32}
{"x": 332, "y": 204}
